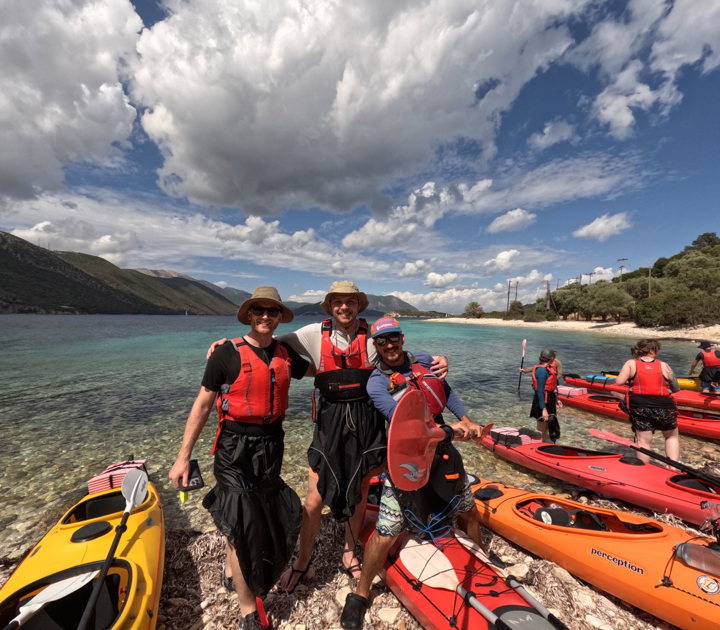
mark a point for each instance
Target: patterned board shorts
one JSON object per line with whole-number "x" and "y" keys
{"x": 390, "y": 521}
{"x": 653, "y": 419}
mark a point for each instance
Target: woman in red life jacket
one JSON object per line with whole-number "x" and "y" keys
{"x": 710, "y": 373}
{"x": 247, "y": 381}
{"x": 649, "y": 403}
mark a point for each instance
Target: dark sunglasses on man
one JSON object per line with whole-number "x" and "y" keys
{"x": 259, "y": 311}
{"x": 392, "y": 338}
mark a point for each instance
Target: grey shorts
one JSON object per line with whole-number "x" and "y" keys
{"x": 390, "y": 521}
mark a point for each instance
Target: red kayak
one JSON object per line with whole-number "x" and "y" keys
{"x": 617, "y": 475}
{"x": 696, "y": 423}
{"x": 683, "y": 399}
{"x": 433, "y": 587}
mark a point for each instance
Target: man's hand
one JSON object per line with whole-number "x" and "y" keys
{"x": 214, "y": 345}
{"x": 462, "y": 432}
{"x": 439, "y": 366}
{"x": 465, "y": 429}
{"x": 180, "y": 472}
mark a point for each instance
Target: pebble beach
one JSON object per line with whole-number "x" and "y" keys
{"x": 192, "y": 597}
{"x": 625, "y": 329}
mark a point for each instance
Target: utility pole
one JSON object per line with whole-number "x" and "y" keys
{"x": 590, "y": 274}
{"x": 621, "y": 261}
{"x": 547, "y": 296}
{"x": 507, "y": 307}
{"x": 517, "y": 284}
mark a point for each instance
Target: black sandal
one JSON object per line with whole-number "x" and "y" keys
{"x": 301, "y": 574}
{"x": 349, "y": 570}
{"x": 226, "y": 581}
{"x": 353, "y": 614}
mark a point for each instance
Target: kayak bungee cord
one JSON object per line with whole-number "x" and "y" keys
{"x": 436, "y": 526}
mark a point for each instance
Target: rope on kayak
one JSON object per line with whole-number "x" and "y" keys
{"x": 437, "y": 526}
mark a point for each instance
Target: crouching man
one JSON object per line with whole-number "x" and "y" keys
{"x": 446, "y": 498}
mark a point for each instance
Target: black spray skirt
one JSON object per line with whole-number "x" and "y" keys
{"x": 252, "y": 506}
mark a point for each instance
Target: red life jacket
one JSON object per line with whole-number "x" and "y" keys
{"x": 342, "y": 374}
{"x": 649, "y": 379}
{"x": 709, "y": 358}
{"x": 552, "y": 381}
{"x": 423, "y": 379}
{"x": 354, "y": 356}
{"x": 259, "y": 395}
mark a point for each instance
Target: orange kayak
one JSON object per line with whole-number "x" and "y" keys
{"x": 667, "y": 571}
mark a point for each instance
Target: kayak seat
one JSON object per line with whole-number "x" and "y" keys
{"x": 65, "y": 613}
{"x": 583, "y": 519}
{"x": 95, "y": 507}
{"x": 554, "y": 449}
{"x": 552, "y": 516}
{"x": 692, "y": 483}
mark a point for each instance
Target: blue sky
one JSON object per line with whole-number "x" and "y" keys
{"x": 436, "y": 150}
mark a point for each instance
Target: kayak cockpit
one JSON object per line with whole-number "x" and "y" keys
{"x": 95, "y": 506}
{"x": 558, "y": 450}
{"x": 65, "y": 612}
{"x": 691, "y": 482}
{"x": 557, "y": 513}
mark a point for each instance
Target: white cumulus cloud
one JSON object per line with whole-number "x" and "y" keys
{"x": 440, "y": 281}
{"x": 605, "y": 226}
{"x": 512, "y": 221}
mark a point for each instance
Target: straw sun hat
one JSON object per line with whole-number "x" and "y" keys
{"x": 264, "y": 294}
{"x": 344, "y": 287}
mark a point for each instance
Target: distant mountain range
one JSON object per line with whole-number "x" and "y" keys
{"x": 37, "y": 280}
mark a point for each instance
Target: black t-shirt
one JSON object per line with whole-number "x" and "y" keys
{"x": 223, "y": 366}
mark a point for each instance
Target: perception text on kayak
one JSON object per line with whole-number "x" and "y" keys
{"x": 617, "y": 561}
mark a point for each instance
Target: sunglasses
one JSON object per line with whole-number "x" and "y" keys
{"x": 259, "y": 311}
{"x": 392, "y": 337}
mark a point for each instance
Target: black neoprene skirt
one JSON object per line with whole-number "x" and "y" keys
{"x": 349, "y": 441}
{"x": 252, "y": 506}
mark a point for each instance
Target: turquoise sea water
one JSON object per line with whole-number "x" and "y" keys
{"x": 82, "y": 392}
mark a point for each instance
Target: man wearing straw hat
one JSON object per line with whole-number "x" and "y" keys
{"x": 259, "y": 515}
{"x": 349, "y": 440}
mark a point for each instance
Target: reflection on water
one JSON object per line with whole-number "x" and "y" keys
{"x": 82, "y": 392}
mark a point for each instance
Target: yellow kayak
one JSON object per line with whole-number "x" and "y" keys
{"x": 71, "y": 555}
{"x": 691, "y": 383}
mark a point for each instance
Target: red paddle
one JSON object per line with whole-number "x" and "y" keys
{"x": 611, "y": 437}
{"x": 412, "y": 439}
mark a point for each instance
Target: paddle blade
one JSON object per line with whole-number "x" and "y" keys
{"x": 524, "y": 344}
{"x": 611, "y": 437}
{"x": 134, "y": 488}
{"x": 412, "y": 439}
{"x": 427, "y": 564}
{"x": 484, "y": 432}
{"x": 51, "y": 593}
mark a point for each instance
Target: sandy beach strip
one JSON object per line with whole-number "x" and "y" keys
{"x": 626, "y": 329}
